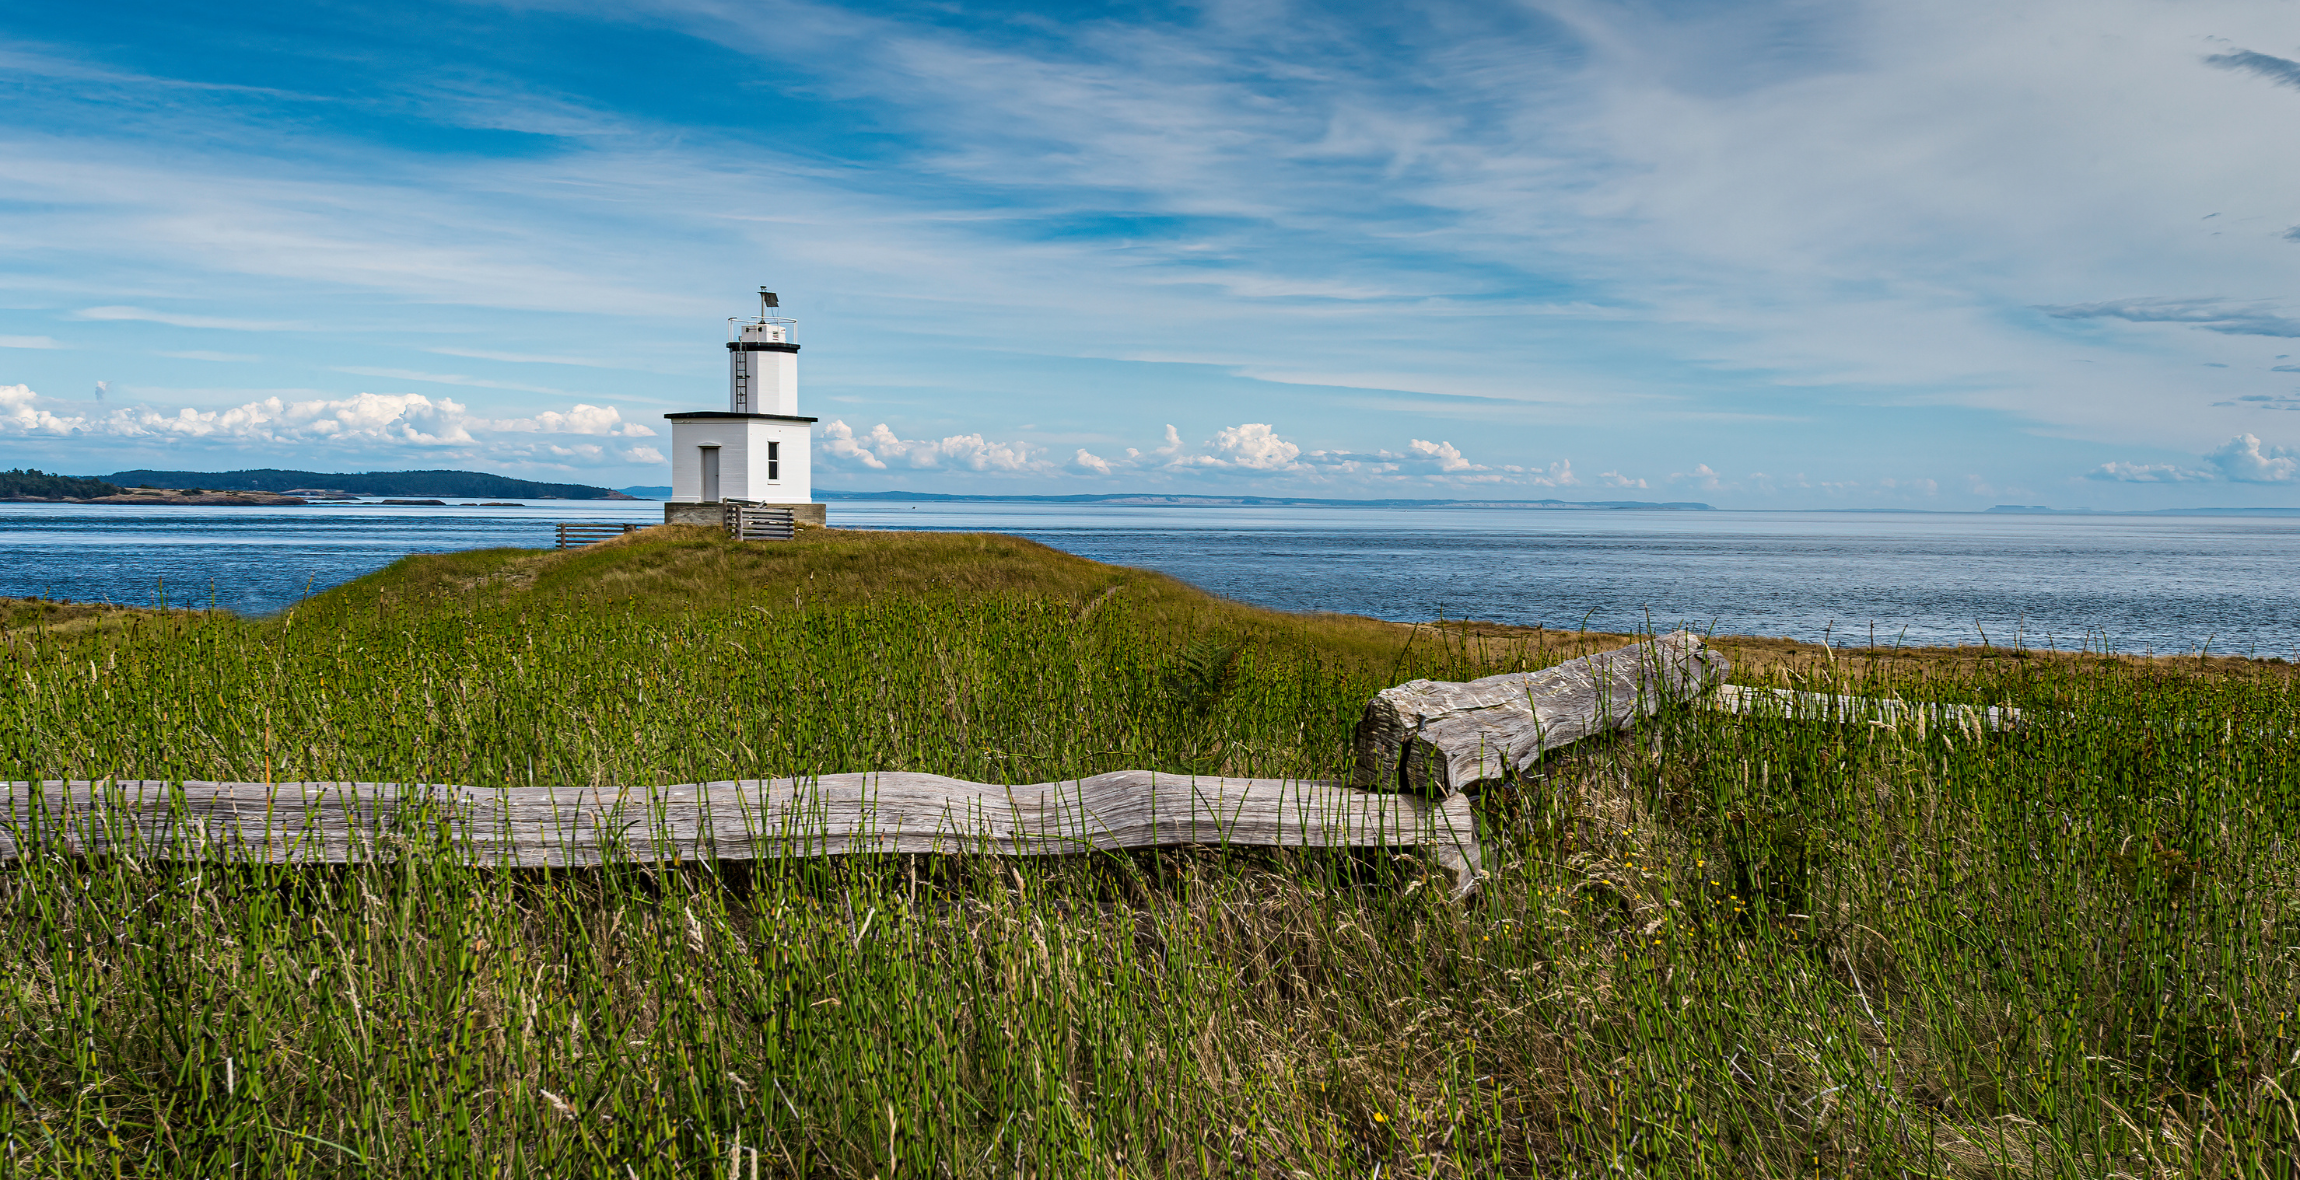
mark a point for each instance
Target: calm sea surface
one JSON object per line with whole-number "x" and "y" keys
{"x": 2153, "y": 583}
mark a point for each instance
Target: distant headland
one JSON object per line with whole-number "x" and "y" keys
{"x": 2041, "y": 510}
{"x": 1188, "y": 501}
{"x": 368, "y": 483}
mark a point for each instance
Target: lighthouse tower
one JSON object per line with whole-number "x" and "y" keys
{"x": 754, "y": 452}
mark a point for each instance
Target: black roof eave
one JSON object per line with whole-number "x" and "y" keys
{"x": 694, "y": 414}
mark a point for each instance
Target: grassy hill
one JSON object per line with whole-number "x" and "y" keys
{"x": 676, "y": 569}
{"x": 1719, "y": 947}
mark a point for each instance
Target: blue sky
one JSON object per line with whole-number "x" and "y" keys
{"x": 1767, "y": 255}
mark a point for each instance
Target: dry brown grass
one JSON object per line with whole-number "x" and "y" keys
{"x": 1768, "y": 659}
{"x": 25, "y": 620}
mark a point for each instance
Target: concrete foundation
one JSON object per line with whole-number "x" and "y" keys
{"x": 714, "y": 514}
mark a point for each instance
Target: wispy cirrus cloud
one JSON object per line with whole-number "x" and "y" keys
{"x": 533, "y": 358}
{"x": 2213, "y": 315}
{"x": 42, "y": 342}
{"x": 201, "y": 354}
{"x": 2265, "y": 401}
{"x": 1637, "y": 234}
{"x": 20, "y": 60}
{"x": 2283, "y": 71}
{"x": 447, "y": 379}
{"x": 184, "y": 320}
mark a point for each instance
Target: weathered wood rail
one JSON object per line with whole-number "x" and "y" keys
{"x": 1438, "y": 738}
{"x": 1422, "y": 747}
{"x": 827, "y": 815}
{"x": 1842, "y": 709}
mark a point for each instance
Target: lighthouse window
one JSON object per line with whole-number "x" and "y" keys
{"x": 774, "y": 461}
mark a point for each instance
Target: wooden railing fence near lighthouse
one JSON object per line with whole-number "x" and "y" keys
{"x": 751, "y": 523}
{"x": 575, "y": 536}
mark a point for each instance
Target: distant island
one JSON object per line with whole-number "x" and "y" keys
{"x": 1189, "y": 501}
{"x": 26, "y": 484}
{"x": 2041, "y": 510}
{"x": 370, "y": 483}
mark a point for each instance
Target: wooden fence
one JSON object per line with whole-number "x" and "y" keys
{"x": 1423, "y": 747}
{"x": 575, "y": 536}
{"x": 760, "y": 524}
{"x": 748, "y": 819}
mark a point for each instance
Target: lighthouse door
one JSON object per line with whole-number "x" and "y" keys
{"x": 710, "y": 475}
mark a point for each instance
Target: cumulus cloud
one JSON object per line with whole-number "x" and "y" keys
{"x": 365, "y": 420}
{"x": 1441, "y": 460}
{"x": 1254, "y": 446}
{"x": 20, "y": 415}
{"x": 2213, "y": 315}
{"x": 1445, "y": 455}
{"x": 2245, "y": 460}
{"x": 1248, "y": 450}
{"x": 1701, "y": 477}
{"x": 582, "y": 419}
{"x": 1556, "y": 475}
{"x": 2147, "y": 473}
{"x": 880, "y": 449}
{"x": 1614, "y": 479}
{"x": 408, "y": 418}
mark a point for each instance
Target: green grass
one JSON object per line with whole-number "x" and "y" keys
{"x": 1723, "y": 947}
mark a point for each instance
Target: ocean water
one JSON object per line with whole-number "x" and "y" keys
{"x": 253, "y": 560}
{"x": 2129, "y": 583}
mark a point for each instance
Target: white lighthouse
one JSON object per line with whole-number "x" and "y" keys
{"x": 754, "y": 452}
